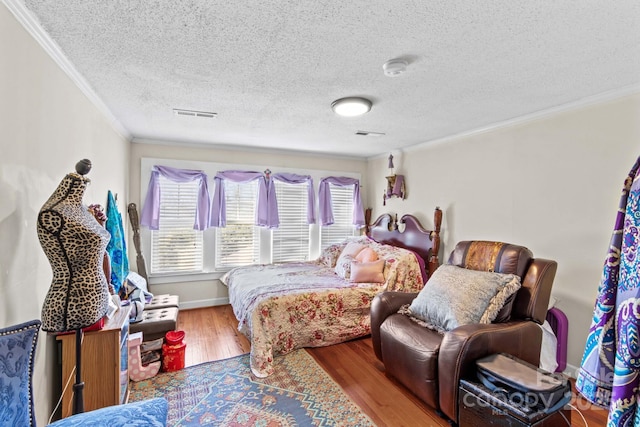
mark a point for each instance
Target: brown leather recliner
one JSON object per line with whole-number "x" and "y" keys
{"x": 430, "y": 364}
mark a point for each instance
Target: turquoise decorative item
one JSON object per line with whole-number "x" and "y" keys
{"x": 117, "y": 247}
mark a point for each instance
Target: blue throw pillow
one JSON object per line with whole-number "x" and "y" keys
{"x": 17, "y": 351}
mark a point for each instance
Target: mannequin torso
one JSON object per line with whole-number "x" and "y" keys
{"x": 74, "y": 242}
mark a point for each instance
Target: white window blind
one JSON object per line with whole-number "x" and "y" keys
{"x": 342, "y": 227}
{"x": 290, "y": 241}
{"x": 176, "y": 247}
{"x": 239, "y": 242}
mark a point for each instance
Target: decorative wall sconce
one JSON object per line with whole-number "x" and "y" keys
{"x": 395, "y": 184}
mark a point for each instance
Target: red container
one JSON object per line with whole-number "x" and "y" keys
{"x": 174, "y": 337}
{"x": 173, "y": 357}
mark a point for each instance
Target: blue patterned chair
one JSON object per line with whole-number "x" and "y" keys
{"x": 17, "y": 352}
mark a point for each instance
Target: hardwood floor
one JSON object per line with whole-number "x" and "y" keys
{"x": 211, "y": 334}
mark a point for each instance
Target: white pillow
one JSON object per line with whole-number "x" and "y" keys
{"x": 343, "y": 265}
{"x": 455, "y": 296}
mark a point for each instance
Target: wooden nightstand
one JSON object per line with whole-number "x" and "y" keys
{"x": 105, "y": 355}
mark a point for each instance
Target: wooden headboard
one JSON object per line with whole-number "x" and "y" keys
{"x": 426, "y": 243}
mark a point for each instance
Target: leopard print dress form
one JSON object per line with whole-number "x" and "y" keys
{"x": 74, "y": 242}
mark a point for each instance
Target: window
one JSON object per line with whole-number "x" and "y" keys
{"x": 290, "y": 242}
{"x": 239, "y": 242}
{"x": 342, "y": 227}
{"x": 177, "y": 253}
{"x": 176, "y": 247}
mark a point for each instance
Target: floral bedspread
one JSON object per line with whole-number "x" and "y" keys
{"x": 282, "y": 307}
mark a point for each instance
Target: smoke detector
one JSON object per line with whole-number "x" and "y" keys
{"x": 395, "y": 67}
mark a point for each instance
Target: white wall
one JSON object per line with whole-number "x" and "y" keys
{"x": 46, "y": 126}
{"x": 211, "y": 292}
{"x": 552, "y": 185}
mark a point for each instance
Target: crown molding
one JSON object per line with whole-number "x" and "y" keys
{"x": 588, "y": 101}
{"x": 33, "y": 27}
{"x": 245, "y": 148}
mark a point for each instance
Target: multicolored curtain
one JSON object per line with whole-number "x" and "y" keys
{"x": 610, "y": 371}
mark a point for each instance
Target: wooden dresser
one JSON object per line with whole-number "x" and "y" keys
{"x": 105, "y": 372}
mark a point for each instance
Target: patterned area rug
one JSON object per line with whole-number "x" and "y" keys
{"x": 226, "y": 393}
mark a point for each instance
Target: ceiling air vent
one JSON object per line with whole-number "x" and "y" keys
{"x": 369, "y": 133}
{"x": 194, "y": 113}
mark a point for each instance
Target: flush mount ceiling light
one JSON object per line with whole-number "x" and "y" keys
{"x": 395, "y": 67}
{"x": 351, "y": 106}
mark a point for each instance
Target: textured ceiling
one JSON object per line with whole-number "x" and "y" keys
{"x": 270, "y": 69}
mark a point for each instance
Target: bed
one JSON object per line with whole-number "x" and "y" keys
{"x": 281, "y": 307}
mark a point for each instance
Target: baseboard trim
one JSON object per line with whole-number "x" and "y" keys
{"x": 212, "y": 302}
{"x": 571, "y": 370}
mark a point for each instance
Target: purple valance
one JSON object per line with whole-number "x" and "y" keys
{"x": 324, "y": 199}
{"x": 266, "y": 210}
{"x": 292, "y": 178}
{"x": 151, "y": 210}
